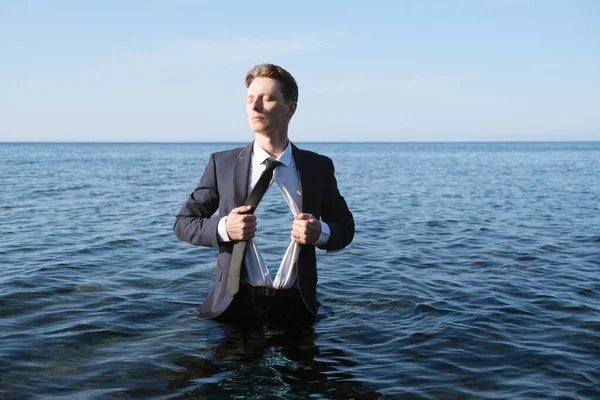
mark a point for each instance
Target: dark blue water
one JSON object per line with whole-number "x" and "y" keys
{"x": 474, "y": 273}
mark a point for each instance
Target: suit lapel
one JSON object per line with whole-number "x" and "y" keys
{"x": 303, "y": 168}
{"x": 241, "y": 172}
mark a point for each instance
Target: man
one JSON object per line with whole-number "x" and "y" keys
{"x": 243, "y": 289}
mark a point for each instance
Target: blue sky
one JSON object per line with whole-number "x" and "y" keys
{"x": 173, "y": 70}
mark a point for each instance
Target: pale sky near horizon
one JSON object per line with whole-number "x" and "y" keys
{"x": 173, "y": 70}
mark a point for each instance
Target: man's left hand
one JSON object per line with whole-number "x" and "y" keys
{"x": 306, "y": 229}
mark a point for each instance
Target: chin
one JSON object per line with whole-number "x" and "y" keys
{"x": 258, "y": 126}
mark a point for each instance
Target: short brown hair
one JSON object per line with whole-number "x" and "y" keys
{"x": 289, "y": 87}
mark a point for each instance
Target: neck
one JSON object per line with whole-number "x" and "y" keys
{"x": 272, "y": 144}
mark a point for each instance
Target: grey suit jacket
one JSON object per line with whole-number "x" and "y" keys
{"x": 224, "y": 186}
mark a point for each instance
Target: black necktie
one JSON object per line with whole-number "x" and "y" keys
{"x": 239, "y": 248}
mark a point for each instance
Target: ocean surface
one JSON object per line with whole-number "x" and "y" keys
{"x": 474, "y": 274}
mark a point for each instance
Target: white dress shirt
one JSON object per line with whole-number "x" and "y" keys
{"x": 287, "y": 179}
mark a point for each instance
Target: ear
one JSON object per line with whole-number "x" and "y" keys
{"x": 292, "y": 106}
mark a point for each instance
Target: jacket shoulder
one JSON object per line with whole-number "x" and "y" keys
{"x": 228, "y": 154}
{"x": 315, "y": 159}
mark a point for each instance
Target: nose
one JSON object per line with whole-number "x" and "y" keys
{"x": 257, "y": 105}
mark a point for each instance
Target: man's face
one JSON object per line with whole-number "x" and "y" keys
{"x": 267, "y": 110}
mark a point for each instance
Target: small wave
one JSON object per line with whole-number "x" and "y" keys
{"x": 65, "y": 189}
{"x": 420, "y": 337}
{"x": 526, "y": 258}
{"x": 514, "y": 311}
{"x": 120, "y": 242}
{"x": 586, "y": 292}
{"x": 88, "y": 288}
{"x": 428, "y": 308}
{"x": 435, "y": 224}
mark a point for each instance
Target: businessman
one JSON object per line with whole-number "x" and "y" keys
{"x": 235, "y": 181}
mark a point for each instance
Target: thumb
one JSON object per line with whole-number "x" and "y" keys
{"x": 303, "y": 216}
{"x": 241, "y": 209}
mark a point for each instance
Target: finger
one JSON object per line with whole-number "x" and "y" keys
{"x": 297, "y": 239}
{"x": 313, "y": 226}
{"x": 246, "y": 233}
{"x": 241, "y": 210}
{"x": 300, "y": 224}
{"x": 249, "y": 218}
{"x": 302, "y": 216}
{"x": 248, "y": 228}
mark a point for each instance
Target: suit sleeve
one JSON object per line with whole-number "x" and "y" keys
{"x": 195, "y": 223}
{"x": 335, "y": 212}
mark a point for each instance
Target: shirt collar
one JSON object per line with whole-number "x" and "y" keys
{"x": 260, "y": 155}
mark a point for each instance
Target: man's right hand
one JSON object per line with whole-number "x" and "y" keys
{"x": 240, "y": 226}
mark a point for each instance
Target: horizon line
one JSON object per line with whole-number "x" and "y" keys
{"x": 309, "y": 141}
